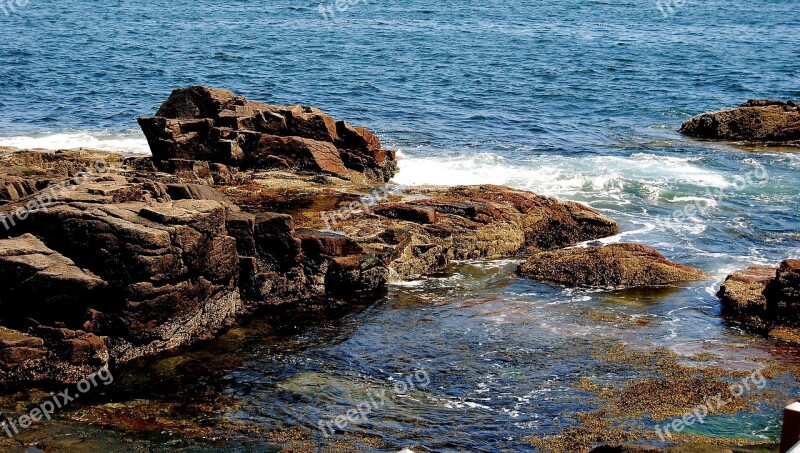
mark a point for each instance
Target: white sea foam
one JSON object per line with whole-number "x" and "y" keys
{"x": 707, "y": 201}
{"x": 127, "y": 143}
{"x": 561, "y": 175}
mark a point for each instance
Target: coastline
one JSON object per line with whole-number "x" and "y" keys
{"x": 319, "y": 195}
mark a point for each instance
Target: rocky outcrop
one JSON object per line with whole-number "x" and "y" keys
{"x": 783, "y": 295}
{"x": 755, "y": 120}
{"x": 201, "y": 124}
{"x": 117, "y": 270}
{"x": 742, "y": 296}
{"x": 120, "y": 266}
{"x": 611, "y": 266}
{"x": 765, "y": 299}
{"x": 436, "y": 226}
{"x": 244, "y": 206}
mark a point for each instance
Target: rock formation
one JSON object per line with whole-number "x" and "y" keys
{"x": 765, "y": 299}
{"x": 611, "y": 266}
{"x": 244, "y": 206}
{"x": 755, "y": 120}
{"x": 212, "y": 125}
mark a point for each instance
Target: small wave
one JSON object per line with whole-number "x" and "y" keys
{"x": 125, "y": 143}
{"x": 607, "y": 176}
{"x": 708, "y": 201}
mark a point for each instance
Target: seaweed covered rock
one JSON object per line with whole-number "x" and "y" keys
{"x": 765, "y": 299}
{"x": 611, "y": 266}
{"x": 756, "y": 120}
{"x": 213, "y": 125}
{"x": 742, "y": 296}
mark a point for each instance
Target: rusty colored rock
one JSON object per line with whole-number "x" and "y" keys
{"x": 756, "y": 120}
{"x": 765, "y": 299}
{"x": 209, "y": 125}
{"x": 611, "y": 266}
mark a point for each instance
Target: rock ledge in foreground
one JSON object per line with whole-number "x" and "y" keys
{"x": 611, "y": 266}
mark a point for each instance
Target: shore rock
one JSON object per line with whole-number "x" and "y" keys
{"x": 435, "y": 226}
{"x": 743, "y": 298}
{"x": 244, "y": 206}
{"x": 755, "y": 120}
{"x": 764, "y": 299}
{"x": 116, "y": 267}
{"x": 201, "y": 124}
{"x": 611, "y": 266}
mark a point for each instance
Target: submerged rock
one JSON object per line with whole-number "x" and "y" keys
{"x": 755, "y": 120}
{"x": 611, "y": 266}
{"x": 213, "y": 125}
{"x": 765, "y": 299}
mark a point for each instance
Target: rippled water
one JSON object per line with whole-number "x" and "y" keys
{"x": 576, "y": 99}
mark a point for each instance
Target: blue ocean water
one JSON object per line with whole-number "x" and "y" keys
{"x": 579, "y": 99}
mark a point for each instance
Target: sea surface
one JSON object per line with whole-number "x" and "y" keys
{"x": 578, "y": 99}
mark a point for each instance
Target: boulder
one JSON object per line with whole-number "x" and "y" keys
{"x": 783, "y": 295}
{"x": 765, "y": 299}
{"x": 434, "y": 226}
{"x": 742, "y": 296}
{"x": 611, "y": 266}
{"x": 201, "y": 125}
{"x": 755, "y": 120}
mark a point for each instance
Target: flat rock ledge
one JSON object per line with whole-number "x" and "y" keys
{"x": 611, "y": 266}
{"x": 151, "y": 255}
{"x": 754, "y": 121}
{"x": 765, "y": 300}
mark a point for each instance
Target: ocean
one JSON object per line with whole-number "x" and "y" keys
{"x": 578, "y": 99}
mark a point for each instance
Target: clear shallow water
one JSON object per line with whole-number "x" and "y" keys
{"x": 575, "y": 99}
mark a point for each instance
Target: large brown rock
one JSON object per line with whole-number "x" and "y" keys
{"x": 208, "y": 124}
{"x": 435, "y": 226}
{"x": 611, "y": 266}
{"x": 39, "y": 281}
{"x": 783, "y": 295}
{"x": 765, "y": 299}
{"x": 118, "y": 260}
{"x": 742, "y": 296}
{"x": 756, "y": 120}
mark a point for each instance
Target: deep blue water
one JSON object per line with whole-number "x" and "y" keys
{"x": 576, "y": 99}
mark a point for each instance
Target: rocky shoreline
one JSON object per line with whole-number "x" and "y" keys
{"x": 231, "y": 215}
{"x": 248, "y": 207}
